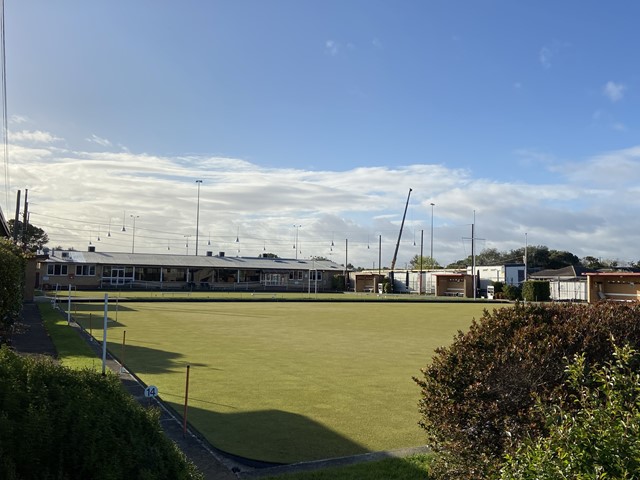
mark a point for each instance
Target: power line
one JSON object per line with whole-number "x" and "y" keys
{"x": 5, "y": 125}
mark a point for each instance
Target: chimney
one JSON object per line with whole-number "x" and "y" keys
{"x": 92, "y": 248}
{"x": 209, "y": 254}
{"x": 221, "y": 254}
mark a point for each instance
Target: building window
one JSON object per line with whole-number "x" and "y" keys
{"x": 56, "y": 269}
{"x": 315, "y": 275}
{"x": 300, "y": 274}
{"x": 85, "y": 270}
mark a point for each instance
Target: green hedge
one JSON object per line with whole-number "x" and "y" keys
{"x": 478, "y": 395}
{"x": 56, "y": 423}
{"x": 12, "y": 263}
{"x": 536, "y": 291}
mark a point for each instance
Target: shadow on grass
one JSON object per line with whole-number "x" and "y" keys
{"x": 267, "y": 437}
{"x": 148, "y": 360}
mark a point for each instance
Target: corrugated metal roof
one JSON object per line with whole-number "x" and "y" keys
{"x": 190, "y": 261}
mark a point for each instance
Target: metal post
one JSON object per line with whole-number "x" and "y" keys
{"x": 346, "y": 262}
{"x": 379, "y": 253}
{"x": 421, "y": 257}
{"x": 124, "y": 338}
{"x": 198, "y": 216}
{"x": 431, "y": 253}
{"x": 69, "y": 306}
{"x": 186, "y": 402}
{"x": 104, "y": 335}
{"x": 133, "y": 241}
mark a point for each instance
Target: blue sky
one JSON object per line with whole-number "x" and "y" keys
{"x": 324, "y": 114}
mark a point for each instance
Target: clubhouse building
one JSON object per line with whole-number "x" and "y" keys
{"x": 142, "y": 271}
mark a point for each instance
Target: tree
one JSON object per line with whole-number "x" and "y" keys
{"x": 35, "y": 237}
{"x": 11, "y": 279}
{"x": 428, "y": 263}
{"x": 560, "y": 259}
{"x": 537, "y": 256}
{"x": 592, "y": 262}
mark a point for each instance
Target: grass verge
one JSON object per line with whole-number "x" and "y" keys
{"x": 72, "y": 350}
{"x": 415, "y": 467}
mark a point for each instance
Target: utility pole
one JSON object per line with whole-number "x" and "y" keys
{"x": 25, "y": 219}
{"x": 198, "y": 216}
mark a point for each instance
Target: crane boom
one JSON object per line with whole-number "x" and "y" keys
{"x": 395, "y": 254}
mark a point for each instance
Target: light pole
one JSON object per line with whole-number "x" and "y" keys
{"x": 431, "y": 253}
{"x": 296, "y": 244}
{"x": 198, "y": 216}
{"x": 187, "y": 243}
{"x": 133, "y": 238}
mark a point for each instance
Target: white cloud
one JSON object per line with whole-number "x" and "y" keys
{"x": 18, "y": 119}
{"x": 548, "y": 53}
{"x": 614, "y": 91}
{"x": 98, "y": 140}
{"x": 544, "y": 56}
{"x": 75, "y": 195}
{"x": 36, "y": 136}
{"x": 332, "y": 47}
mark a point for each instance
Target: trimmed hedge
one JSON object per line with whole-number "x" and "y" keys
{"x": 478, "y": 395}
{"x": 536, "y": 291}
{"x": 59, "y": 423}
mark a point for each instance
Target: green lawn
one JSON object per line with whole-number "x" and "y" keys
{"x": 287, "y": 381}
{"x": 127, "y": 294}
{"x": 73, "y": 351}
{"x": 415, "y": 467}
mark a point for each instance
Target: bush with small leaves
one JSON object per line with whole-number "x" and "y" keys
{"x": 595, "y": 433}
{"x": 478, "y": 395}
{"x": 67, "y": 424}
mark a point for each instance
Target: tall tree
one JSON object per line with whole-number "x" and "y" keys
{"x": 428, "y": 263}
{"x": 35, "y": 237}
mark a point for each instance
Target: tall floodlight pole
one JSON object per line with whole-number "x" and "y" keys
{"x": 473, "y": 254}
{"x": 431, "y": 253}
{"x": 198, "y": 216}
{"x": 421, "y": 258}
{"x": 133, "y": 239}
{"x": 379, "y": 254}
{"x": 296, "y": 242}
{"x": 525, "y": 256}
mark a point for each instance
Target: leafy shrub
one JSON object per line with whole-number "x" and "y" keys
{"x": 60, "y": 423}
{"x": 477, "y": 396}
{"x": 498, "y": 287}
{"x": 601, "y": 439}
{"x": 536, "y": 291}
{"x": 512, "y": 292}
{"x": 11, "y": 281}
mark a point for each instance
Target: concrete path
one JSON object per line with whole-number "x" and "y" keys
{"x": 31, "y": 337}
